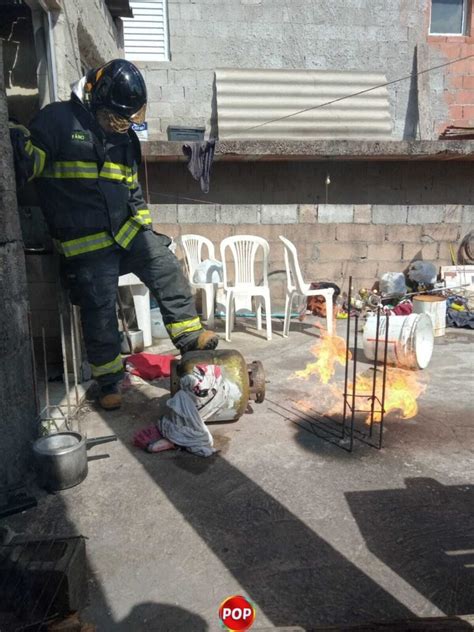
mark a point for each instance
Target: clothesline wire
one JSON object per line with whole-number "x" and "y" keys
{"x": 412, "y": 75}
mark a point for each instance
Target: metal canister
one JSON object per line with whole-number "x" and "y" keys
{"x": 249, "y": 378}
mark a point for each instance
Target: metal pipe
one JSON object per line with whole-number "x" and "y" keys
{"x": 346, "y": 376}
{"x": 45, "y": 360}
{"x": 74, "y": 358}
{"x": 374, "y": 377}
{"x": 65, "y": 369}
{"x": 384, "y": 380}
{"x": 52, "y": 59}
{"x": 354, "y": 378}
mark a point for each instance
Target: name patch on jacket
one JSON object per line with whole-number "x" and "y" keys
{"x": 80, "y": 135}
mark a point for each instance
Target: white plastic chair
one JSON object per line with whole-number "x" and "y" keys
{"x": 141, "y": 303}
{"x": 244, "y": 250}
{"x": 193, "y": 246}
{"x": 296, "y": 285}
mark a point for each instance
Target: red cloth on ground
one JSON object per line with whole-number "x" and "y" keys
{"x": 149, "y": 366}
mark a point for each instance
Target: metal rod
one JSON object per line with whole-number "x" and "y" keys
{"x": 66, "y": 376}
{"x": 354, "y": 378}
{"x": 45, "y": 360}
{"x": 33, "y": 363}
{"x": 74, "y": 357}
{"x": 374, "y": 377}
{"x": 346, "y": 376}
{"x": 384, "y": 380}
{"x": 124, "y": 321}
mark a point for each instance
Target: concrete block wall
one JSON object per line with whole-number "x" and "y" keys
{"x": 17, "y": 417}
{"x": 327, "y": 34}
{"x": 331, "y": 245}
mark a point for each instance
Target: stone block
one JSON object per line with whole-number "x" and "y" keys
{"x": 403, "y": 233}
{"x": 361, "y": 269}
{"x": 443, "y": 232}
{"x": 425, "y": 252}
{"x": 362, "y": 213}
{"x": 238, "y": 214}
{"x": 197, "y": 213}
{"x": 385, "y": 252}
{"x": 172, "y": 230}
{"x": 389, "y": 214}
{"x": 335, "y": 213}
{"x": 359, "y": 232}
{"x": 453, "y": 214}
{"x": 340, "y": 251}
{"x": 279, "y": 213}
{"x": 172, "y": 94}
{"x": 308, "y": 213}
{"x": 425, "y": 214}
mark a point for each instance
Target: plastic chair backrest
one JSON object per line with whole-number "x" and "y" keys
{"x": 193, "y": 250}
{"x": 244, "y": 250}
{"x": 293, "y": 271}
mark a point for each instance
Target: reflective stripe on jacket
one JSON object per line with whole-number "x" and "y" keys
{"x": 87, "y": 182}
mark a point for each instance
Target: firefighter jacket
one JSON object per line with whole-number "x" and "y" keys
{"x": 87, "y": 181}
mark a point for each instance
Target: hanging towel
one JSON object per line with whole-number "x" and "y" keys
{"x": 200, "y": 157}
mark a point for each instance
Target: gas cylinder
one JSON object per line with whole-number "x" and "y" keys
{"x": 249, "y": 378}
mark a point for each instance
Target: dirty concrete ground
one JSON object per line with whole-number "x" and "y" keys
{"x": 310, "y": 533}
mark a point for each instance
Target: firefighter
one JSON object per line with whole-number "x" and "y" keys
{"x": 85, "y": 156}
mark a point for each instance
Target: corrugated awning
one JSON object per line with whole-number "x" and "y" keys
{"x": 293, "y": 104}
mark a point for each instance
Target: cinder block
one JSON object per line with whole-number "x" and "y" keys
{"x": 362, "y": 213}
{"x": 316, "y": 271}
{"x": 341, "y": 251}
{"x": 385, "y": 252}
{"x": 360, "y": 270}
{"x": 427, "y": 214}
{"x": 279, "y": 213}
{"x": 403, "y": 233}
{"x": 197, "y": 213}
{"x": 468, "y": 214}
{"x": 238, "y": 213}
{"x": 426, "y": 252}
{"x": 172, "y": 230}
{"x": 358, "y": 232}
{"x": 164, "y": 213}
{"x": 335, "y": 213}
{"x": 172, "y": 94}
{"x": 453, "y": 214}
{"x": 442, "y": 232}
{"x": 215, "y": 232}
{"x": 308, "y": 213}
{"x": 444, "y": 253}
{"x": 389, "y": 214}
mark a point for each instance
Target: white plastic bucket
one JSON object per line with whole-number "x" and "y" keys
{"x": 158, "y": 329}
{"x": 435, "y": 307}
{"x": 410, "y": 340}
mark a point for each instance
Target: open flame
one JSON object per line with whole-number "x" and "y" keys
{"x": 402, "y": 389}
{"x": 329, "y": 350}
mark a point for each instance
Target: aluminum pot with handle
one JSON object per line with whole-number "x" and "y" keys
{"x": 61, "y": 458}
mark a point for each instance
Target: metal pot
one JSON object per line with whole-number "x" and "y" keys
{"x": 61, "y": 458}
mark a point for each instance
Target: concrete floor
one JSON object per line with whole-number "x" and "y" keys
{"x": 310, "y": 533}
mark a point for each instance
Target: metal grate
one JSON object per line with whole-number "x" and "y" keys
{"x": 40, "y": 580}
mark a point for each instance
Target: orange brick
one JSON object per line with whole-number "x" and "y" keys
{"x": 467, "y": 82}
{"x": 465, "y": 67}
{"x": 468, "y": 112}
{"x": 452, "y": 49}
{"x": 455, "y": 112}
{"x": 466, "y": 97}
{"x": 457, "y": 82}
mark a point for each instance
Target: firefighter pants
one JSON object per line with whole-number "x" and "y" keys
{"x": 93, "y": 285}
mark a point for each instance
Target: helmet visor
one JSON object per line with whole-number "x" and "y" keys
{"x": 139, "y": 117}
{"x": 112, "y": 122}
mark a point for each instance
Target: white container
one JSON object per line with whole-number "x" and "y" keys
{"x": 436, "y": 307}
{"x": 410, "y": 340}
{"x": 136, "y": 338}
{"x": 158, "y": 329}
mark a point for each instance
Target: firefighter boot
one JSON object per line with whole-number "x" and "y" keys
{"x": 110, "y": 397}
{"x": 207, "y": 340}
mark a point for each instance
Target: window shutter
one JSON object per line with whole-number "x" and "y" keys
{"x": 146, "y": 34}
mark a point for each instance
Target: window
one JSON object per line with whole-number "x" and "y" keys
{"x": 448, "y": 17}
{"x": 146, "y": 34}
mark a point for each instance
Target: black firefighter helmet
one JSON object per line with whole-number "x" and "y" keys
{"x": 119, "y": 88}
